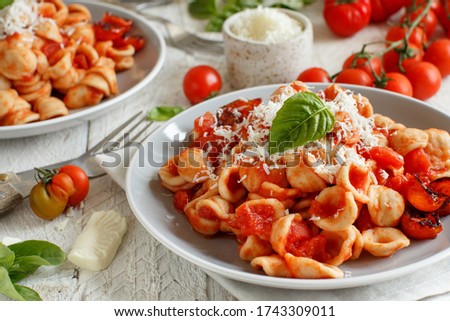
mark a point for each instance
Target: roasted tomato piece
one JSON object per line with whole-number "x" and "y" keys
{"x": 181, "y": 199}
{"x": 386, "y": 157}
{"x": 441, "y": 186}
{"x": 419, "y": 225}
{"x": 109, "y": 18}
{"x": 421, "y": 196}
{"x": 398, "y": 183}
{"x": 417, "y": 161}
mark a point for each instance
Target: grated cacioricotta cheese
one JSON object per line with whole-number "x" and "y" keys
{"x": 19, "y": 17}
{"x": 267, "y": 25}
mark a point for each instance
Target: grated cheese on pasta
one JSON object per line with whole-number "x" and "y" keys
{"x": 19, "y": 17}
{"x": 259, "y": 121}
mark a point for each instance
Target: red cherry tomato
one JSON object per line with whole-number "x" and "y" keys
{"x": 425, "y": 79}
{"x": 410, "y": 55}
{"x": 428, "y": 23}
{"x": 417, "y": 37}
{"x": 438, "y": 53}
{"x": 314, "y": 74}
{"x": 398, "y": 83}
{"x": 355, "y": 77}
{"x": 358, "y": 61}
{"x": 346, "y": 18}
{"x": 200, "y": 83}
{"x": 383, "y": 9}
{"x": 80, "y": 181}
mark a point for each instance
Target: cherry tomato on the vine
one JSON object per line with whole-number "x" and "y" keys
{"x": 57, "y": 189}
{"x": 425, "y": 79}
{"x": 369, "y": 64}
{"x": 410, "y": 55}
{"x": 355, "y": 77}
{"x": 80, "y": 182}
{"x": 48, "y": 201}
{"x": 346, "y": 18}
{"x": 438, "y": 53}
{"x": 201, "y": 82}
{"x": 396, "y": 33}
{"x": 314, "y": 74}
{"x": 428, "y": 23}
{"x": 398, "y": 83}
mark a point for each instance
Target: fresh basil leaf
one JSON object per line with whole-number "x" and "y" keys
{"x": 5, "y": 3}
{"x": 7, "y": 287}
{"x": 291, "y": 4}
{"x": 27, "y": 293}
{"x": 162, "y": 113}
{"x": 49, "y": 252}
{"x": 202, "y": 9}
{"x": 6, "y": 256}
{"x": 18, "y": 272}
{"x": 229, "y": 8}
{"x": 303, "y": 118}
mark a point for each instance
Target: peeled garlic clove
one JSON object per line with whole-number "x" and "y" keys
{"x": 96, "y": 246}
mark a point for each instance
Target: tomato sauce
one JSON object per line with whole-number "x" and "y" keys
{"x": 255, "y": 219}
{"x": 358, "y": 178}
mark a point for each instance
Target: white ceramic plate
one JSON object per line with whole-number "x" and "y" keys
{"x": 153, "y": 207}
{"x": 149, "y": 62}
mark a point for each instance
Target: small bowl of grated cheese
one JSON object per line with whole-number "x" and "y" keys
{"x": 266, "y": 46}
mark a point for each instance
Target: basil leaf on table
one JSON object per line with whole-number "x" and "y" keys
{"x": 5, "y": 3}
{"x": 19, "y": 260}
{"x": 6, "y": 256}
{"x": 292, "y": 4}
{"x": 162, "y": 113}
{"x": 303, "y": 118}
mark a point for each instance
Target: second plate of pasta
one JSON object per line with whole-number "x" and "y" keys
{"x": 79, "y": 68}
{"x": 153, "y": 205}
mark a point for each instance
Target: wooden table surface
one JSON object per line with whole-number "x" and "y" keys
{"x": 143, "y": 269}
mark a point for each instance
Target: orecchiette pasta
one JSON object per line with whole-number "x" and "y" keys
{"x": 308, "y": 211}
{"x": 61, "y": 54}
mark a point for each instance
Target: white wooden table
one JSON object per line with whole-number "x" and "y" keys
{"x": 143, "y": 269}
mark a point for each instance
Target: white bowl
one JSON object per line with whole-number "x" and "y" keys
{"x": 252, "y": 63}
{"x": 153, "y": 205}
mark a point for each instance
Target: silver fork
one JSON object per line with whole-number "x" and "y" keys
{"x": 15, "y": 187}
{"x": 178, "y": 37}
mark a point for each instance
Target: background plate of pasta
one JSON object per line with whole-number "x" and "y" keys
{"x": 66, "y": 62}
{"x": 299, "y": 186}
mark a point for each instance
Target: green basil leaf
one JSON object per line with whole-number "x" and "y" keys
{"x": 5, "y": 3}
{"x": 6, "y": 256}
{"x": 7, "y": 287}
{"x": 27, "y": 293}
{"x": 162, "y": 113}
{"x": 303, "y": 118}
{"x": 292, "y": 4}
{"x": 202, "y": 9}
{"x": 49, "y": 252}
{"x": 18, "y": 272}
{"x": 229, "y": 8}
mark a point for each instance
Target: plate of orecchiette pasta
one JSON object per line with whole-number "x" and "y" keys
{"x": 66, "y": 62}
{"x": 360, "y": 196}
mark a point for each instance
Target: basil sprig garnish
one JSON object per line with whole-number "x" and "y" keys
{"x": 163, "y": 113}
{"x": 303, "y": 118}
